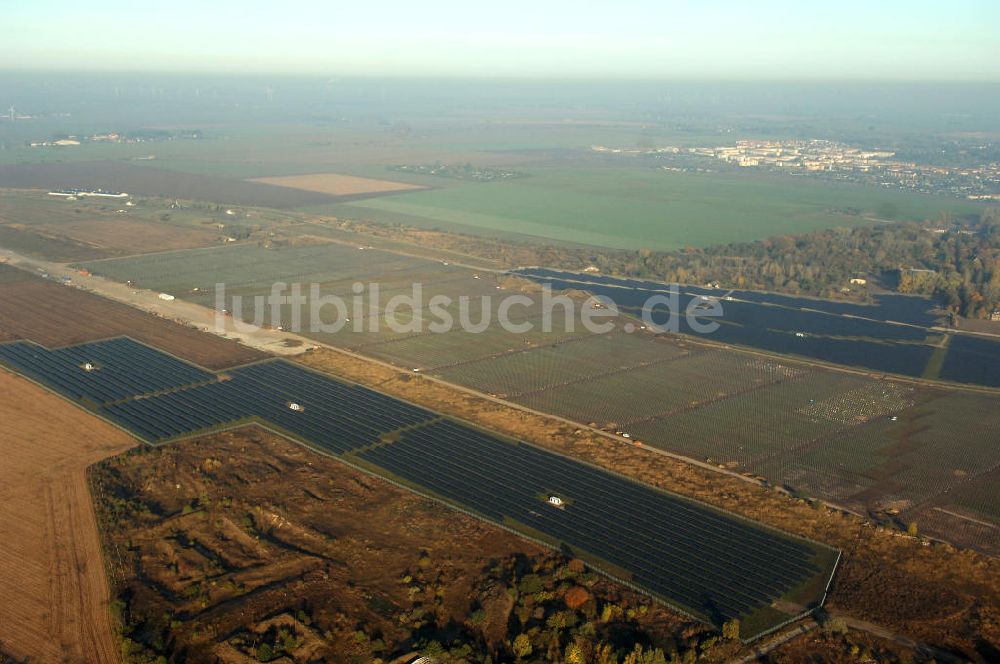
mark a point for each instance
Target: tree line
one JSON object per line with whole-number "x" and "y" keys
{"x": 955, "y": 261}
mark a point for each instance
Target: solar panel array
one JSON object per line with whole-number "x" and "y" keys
{"x": 710, "y": 563}
{"x": 699, "y": 558}
{"x": 160, "y": 397}
{"x": 118, "y": 369}
{"x": 334, "y": 416}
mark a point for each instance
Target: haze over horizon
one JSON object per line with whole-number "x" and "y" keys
{"x": 644, "y": 39}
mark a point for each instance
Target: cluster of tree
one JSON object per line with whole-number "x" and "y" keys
{"x": 464, "y": 171}
{"x": 554, "y": 610}
{"x": 154, "y": 134}
{"x": 141, "y": 639}
{"x": 276, "y": 643}
{"x": 964, "y": 269}
{"x": 949, "y": 153}
{"x": 526, "y": 610}
{"x": 957, "y": 261}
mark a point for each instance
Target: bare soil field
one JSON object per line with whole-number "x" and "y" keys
{"x": 244, "y": 545}
{"x": 93, "y": 239}
{"x": 931, "y": 592}
{"x": 121, "y": 236}
{"x": 56, "y": 600}
{"x": 67, "y": 231}
{"x": 141, "y": 180}
{"x": 338, "y": 185}
{"x": 54, "y": 315}
{"x": 50, "y": 247}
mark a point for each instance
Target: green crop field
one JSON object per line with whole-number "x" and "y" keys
{"x": 649, "y": 208}
{"x": 570, "y": 195}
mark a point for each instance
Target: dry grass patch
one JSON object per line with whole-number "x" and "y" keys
{"x": 338, "y": 185}
{"x": 131, "y": 236}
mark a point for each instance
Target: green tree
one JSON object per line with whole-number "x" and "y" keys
{"x": 264, "y": 653}
{"x": 835, "y": 626}
{"x": 642, "y": 656}
{"x": 605, "y": 654}
{"x": 574, "y": 655}
{"x": 521, "y": 646}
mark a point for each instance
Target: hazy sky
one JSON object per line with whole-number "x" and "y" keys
{"x": 911, "y": 40}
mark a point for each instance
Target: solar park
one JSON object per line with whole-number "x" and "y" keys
{"x": 707, "y": 563}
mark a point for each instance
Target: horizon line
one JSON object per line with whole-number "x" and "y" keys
{"x": 493, "y": 77}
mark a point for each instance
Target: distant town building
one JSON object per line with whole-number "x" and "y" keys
{"x": 834, "y": 160}
{"x": 73, "y": 194}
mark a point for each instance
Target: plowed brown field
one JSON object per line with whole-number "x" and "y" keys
{"x": 52, "y": 578}
{"x": 54, "y": 315}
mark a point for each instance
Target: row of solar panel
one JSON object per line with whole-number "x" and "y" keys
{"x": 329, "y": 414}
{"x": 103, "y": 371}
{"x": 158, "y": 396}
{"x": 701, "y": 559}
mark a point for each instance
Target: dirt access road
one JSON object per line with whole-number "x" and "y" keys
{"x": 52, "y": 577}
{"x": 202, "y": 318}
